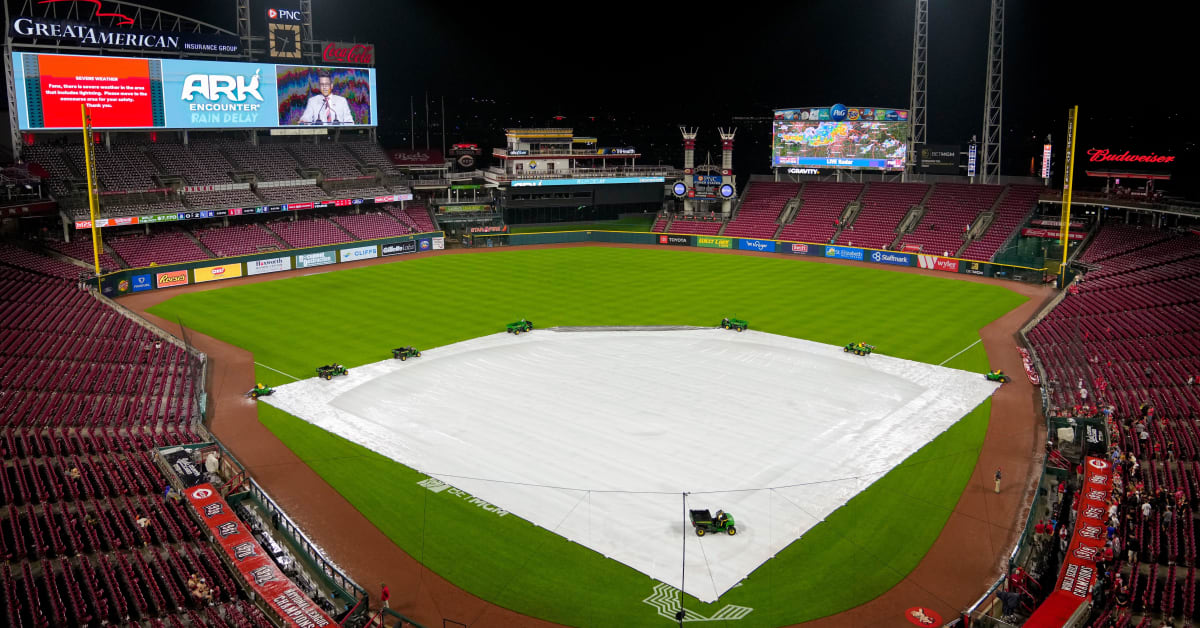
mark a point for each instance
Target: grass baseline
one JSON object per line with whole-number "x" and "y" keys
{"x": 889, "y": 526}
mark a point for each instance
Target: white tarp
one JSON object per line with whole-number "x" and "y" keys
{"x": 595, "y": 435}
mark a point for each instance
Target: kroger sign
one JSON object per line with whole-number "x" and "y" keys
{"x": 884, "y": 257}
{"x": 757, "y": 245}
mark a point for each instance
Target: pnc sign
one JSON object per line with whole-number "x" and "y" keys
{"x": 1104, "y": 155}
{"x": 343, "y": 53}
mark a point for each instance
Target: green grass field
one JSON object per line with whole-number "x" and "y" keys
{"x": 629, "y": 223}
{"x": 356, "y": 316}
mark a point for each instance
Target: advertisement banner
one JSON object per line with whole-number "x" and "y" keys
{"x": 674, "y": 240}
{"x": 1087, "y": 541}
{"x": 887, "y": 257}
{"x": 399, "y": 248}
{"x": 936, "y": 262}
{"x": 439, "y": 243}
{"x": 1073, "y": 236}
{"x": 272, "y": 265}
{"x": 766, "y": 246}
{"x": 308, "y": 260}
{"x": 710, "y": 242}
{"x": 172, "y": 278}
{"x": 217, "y": 273}
{"x": 358, "y": 252}
{"x": 537, "y": 183}
{"x": 796, "y": 248}
{"x": 937, "y": 158}
{"x": 149, "y": 93}
{"x": 975, "y": 268}
{"x": 252, "y": 562}
{"x": 82, "y": 34}
{"x": 842, "y": 252}
{"x": 142, "y": 283}
{"x": 424, "y": 244}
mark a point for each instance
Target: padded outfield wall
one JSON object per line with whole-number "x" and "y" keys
{"x": 132, "y": 280}
{"x": 762, "y": 245}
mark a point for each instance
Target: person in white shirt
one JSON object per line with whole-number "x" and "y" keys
{"x": 327, "y": 107}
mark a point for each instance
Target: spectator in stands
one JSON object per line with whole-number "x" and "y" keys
{"x": 74, "y": 473}
{"x": 142, "y": 521}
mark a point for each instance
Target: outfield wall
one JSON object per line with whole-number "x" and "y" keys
{"x": 762, "y": 245}
{"x": 132, "y": 280}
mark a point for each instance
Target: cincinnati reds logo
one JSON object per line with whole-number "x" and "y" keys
{"x": 201, "y": 493}
{"x": 124, "y": 21}
{"x": 1098, "y": 464}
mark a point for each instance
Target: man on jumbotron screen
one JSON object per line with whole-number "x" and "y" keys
{"x": 326, "y": 107}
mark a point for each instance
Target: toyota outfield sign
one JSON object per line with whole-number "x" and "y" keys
{"x": 886, "y": 257}
{"x": 842, "y": 252}
{"x": 767, "y": 246}
{"x": 675, "y": 240}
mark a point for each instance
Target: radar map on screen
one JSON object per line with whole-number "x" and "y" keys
{"x": 866, "y": 138}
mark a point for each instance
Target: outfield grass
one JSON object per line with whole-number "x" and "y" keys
{"x": 630, "y": 223}
{"x": 356, "y": 316}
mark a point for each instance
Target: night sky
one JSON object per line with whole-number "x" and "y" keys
{"x": 641, "y": 69}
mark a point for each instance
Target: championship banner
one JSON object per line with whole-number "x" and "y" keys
{"x": 1079, "y": 567}
{"x": 255, "y": 566}
{"x": 1030, "y": 232}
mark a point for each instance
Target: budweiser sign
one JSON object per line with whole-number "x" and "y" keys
{"x": 338, "y": 52}
{"x": 1103, "y": 154}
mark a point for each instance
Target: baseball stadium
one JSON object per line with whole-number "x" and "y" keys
{"x": 261, "y": 366}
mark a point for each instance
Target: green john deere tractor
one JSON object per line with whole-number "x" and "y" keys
{"x": 998, "y": 376}
{"x": 735, "y": 324}
{"x": 519, "y": 326}
{"x": 704, "y": 522}
{"x": 260, "y": 390}
{"x": 329, "y": 371}
{"x": 859, "y": 348}
{"x": 404, "y": 353}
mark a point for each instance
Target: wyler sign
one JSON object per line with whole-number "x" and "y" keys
{"x": 343, "y": 53}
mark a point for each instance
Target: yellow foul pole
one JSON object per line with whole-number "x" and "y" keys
{"x": 1068, "y": 184}
{"x": 93, "y": 203}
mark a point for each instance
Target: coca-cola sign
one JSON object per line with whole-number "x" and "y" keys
{"x": 1103, "y": 154}
{"x": 339, "y": 52}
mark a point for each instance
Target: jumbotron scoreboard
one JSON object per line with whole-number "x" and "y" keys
{"x": 840, "y": 137}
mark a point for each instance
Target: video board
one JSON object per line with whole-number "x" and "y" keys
{"x": 866, "y": 138}
{"x": 151, "y": 93}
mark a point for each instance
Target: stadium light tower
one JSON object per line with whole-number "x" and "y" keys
{"x": 993, "y": 101}
{"x": 916, "y": 99}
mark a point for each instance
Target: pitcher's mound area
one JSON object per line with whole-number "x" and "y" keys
{"x": 596, "y": 435}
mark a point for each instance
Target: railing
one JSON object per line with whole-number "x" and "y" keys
{"x": 585, "y": 173}
{"x": 565, "y": 152}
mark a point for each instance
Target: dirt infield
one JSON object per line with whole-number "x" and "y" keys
{"x": 965, "y": 559}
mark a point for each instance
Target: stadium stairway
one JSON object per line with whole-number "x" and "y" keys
{"x": 190, "y": 235}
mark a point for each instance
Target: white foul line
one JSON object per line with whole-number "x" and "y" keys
{"x": 942, "y": 364}
{"x": 277, "y": 371}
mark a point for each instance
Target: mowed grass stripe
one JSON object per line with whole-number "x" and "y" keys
{"x": 356, "y": 316}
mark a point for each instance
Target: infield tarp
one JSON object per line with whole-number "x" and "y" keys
{"x": 778, "y": 431}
